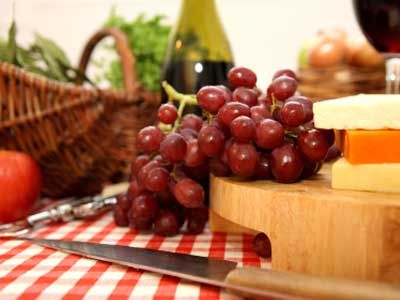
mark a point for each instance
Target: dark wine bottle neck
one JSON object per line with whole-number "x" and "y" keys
{"x": 199, "y": 34}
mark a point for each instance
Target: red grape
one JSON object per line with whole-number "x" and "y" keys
{"x": 242, "y": 159}
{"x": 218, "y": 168}
{"x": 144, "y": 207}
{"x": 240, "y": 76}
{"x": 149, "y": 138}
{"x": 165, "y": 197}
{"x": 166, "y": 223}
{"x": 282, "y": 88}
{"x": 308, "y": 125}
{"x": 231, "y": 111}
{"x": 120, "y": 216}
{"x": 195, "y": 225}
{"x": 284, "y": 72}
{"x": 224, "y": 129}
{"x": 329, "y": 135}
{"x": 307, "y": 106}
{"x": 140, "y": 223}
{"x": 179, "y": 174}
{"x": 158, "y": 158}
{"x": 173, "y": 148}
{"x": 269, "y": 134}
{"x": 189, "y": 193}
{"x": 138, "y": 163}
{"x": 224, "y": 154}
{"x": 198, "y": 173}
{"x": 227, "y": 92}
{"x": 211, "y": 140}
{"x": 180, "y": 213}
{"x": 276, "y": 114}
{"x": 263, "y": 168}
{"x": 197, "y": 219}
{"x": 286, "y": 163}
{"x": 243, "y": 129}
{"x": 211, "y": 98}
{"x": 191, "y": 121}
{"x": 188, "y": 133}
{"x": 257, "y": 91}
{"x": 293, "y": 114}
{"x": 194, "y": 156}
{"x": 144, "y": 172}
{"x": 157, "y": 180}
{"x": 243, "y": 132}
{"x": 333, "y": 152}
{"x": 265, "y": 100}
{"x": 310, "y": 169}
{"x": 245, "y": 95}
{"x": 259, "y": 113}
{"x": 167, "y": 113}
{"x": 124, "y": 202}
{"x": 262, "y": 245}
{"x": 313, "y": 145}
{"x": 134, "y": 189}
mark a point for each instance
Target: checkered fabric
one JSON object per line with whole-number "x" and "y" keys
{"x": 31, "y": 272}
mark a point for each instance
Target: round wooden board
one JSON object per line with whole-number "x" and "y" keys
{"x": 315, "y": 229}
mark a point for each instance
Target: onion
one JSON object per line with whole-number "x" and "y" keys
{"x": 360, "y": 53}
{"x": 327, "y": 52}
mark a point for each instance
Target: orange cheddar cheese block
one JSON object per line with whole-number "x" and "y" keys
{"x": 371, "y": 146}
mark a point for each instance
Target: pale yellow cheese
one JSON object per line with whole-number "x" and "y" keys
{"x": 368, "y": 112}
{"x": 366, "y": 177}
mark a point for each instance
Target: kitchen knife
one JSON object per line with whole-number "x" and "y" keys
{"x": 246, "y": 281}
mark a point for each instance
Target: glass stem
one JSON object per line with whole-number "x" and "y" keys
{"x": 393, "y": 75}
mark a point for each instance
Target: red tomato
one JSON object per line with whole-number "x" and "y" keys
{"x": 20, "y": 184}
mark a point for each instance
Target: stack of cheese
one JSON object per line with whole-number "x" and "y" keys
{"x": 368, "y": 132}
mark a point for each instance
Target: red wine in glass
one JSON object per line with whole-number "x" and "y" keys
{"x": 380, "y": 22}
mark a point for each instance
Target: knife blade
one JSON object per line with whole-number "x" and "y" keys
{"x": 246, "y": 281}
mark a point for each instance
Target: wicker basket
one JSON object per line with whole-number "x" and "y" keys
{"x": 334, "y": 82}
{"x": 81, "y": 137}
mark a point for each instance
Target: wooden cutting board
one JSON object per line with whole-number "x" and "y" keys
{"x": 313, "y": 228}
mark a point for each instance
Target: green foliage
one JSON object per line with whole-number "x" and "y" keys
{"x": 43, "y": 57}
{"x": 12, "y": 43}
{"x": 3, "y": 50}
{"x": 148, "y": 38}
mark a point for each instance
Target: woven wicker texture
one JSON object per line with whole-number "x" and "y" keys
{"x": 81, "y": 137}
{"x": 340, "y": 81}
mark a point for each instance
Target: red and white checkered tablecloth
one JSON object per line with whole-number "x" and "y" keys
{"x": 31, "y": 272}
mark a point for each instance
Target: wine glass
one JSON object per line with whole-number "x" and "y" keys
{"x": 380, "y": 22}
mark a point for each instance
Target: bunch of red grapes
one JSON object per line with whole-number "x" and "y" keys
{"x": 243, "y": 132}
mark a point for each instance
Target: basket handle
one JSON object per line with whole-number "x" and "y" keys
{"x": 128, "y": 60}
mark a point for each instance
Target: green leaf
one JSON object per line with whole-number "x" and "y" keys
{"x": 148, "y": 39}
{"x": 52, "y": 49}
{"x": 25, "y": 58}
{"x": 12, "y": 43}
{"x": 54, "y": 69}
{"x": 3, "y": 50}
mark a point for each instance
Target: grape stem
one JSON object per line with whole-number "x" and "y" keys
{"x": 274, "y": 105}
{"x": 181, "y": 98}
{"x": 174, "y": 94}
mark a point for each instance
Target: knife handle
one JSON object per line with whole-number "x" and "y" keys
{"x": 311, "y": 287}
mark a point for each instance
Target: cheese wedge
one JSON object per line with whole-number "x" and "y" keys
{"x": 369, "y": 112}
{"x": 372, "y": 146}
{"x": 366, "y": 177}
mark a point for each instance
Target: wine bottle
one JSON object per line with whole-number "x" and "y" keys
{"x": 198, "y": 53}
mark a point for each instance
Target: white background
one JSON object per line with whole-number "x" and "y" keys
{"x": 264, "y": 34}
